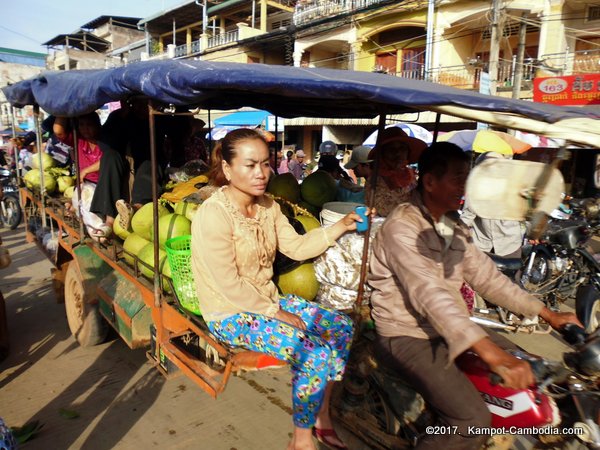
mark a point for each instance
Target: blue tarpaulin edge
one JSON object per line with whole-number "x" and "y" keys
{"x": 284, "y": 91}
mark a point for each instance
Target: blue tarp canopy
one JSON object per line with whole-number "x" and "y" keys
{"x": 293, "y": 92}
{"x": 242, "y": 119}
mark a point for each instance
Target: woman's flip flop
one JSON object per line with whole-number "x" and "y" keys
{"x": 325, "y": 435}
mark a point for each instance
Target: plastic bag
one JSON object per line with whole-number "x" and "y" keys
{"x": 338, "y": 270}
{"x": 91, "y": 220}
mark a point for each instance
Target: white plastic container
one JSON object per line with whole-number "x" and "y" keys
{"x": 334, "y": 211}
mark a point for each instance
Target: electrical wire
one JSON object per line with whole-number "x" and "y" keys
{"x": 458, "y": 34}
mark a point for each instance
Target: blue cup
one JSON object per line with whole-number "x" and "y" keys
{"x": 361, "y": 227}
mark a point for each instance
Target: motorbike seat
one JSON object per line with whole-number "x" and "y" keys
{"x": 505, "y": 264}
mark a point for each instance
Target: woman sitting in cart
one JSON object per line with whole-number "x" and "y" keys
{"x": 235, "y": 235}
{"x": 99, "y": 164}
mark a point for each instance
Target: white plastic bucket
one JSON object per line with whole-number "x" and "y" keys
{"x": 332, "y": 212}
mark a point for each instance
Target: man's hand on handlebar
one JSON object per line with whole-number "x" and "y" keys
{"x": 558, "y": 320}
{"x": 515, "y": 373}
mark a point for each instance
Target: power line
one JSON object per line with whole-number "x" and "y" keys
{"x": 20, "y": 34}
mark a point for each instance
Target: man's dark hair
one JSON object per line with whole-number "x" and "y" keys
{"x": 437, "y": 157}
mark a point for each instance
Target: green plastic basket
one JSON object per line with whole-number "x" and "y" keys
{"x": 179, "y": 253}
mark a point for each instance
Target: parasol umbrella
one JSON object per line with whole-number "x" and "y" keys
{"x": 410, "y": 129}
{"x": 481, "y": 141}
{"x": 218, "y": 133}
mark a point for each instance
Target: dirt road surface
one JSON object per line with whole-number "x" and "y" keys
{"x": 121, "y": 401}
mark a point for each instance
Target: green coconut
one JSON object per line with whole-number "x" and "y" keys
{"x": 33, "y": 180}
{"x": 166, "y": 273}
{"x": 309, "y": 223}
{"x": 146, "y": 255}
{"x": 300, "y": 281}
{"x": 319, "y": 188}
{"x": 119, "y": 230}
{"x": 69, "y": 192}
{"x": 133, "y": 244}
{"x": 171, "y": 226}
{"x": 285, "y": 186}
{"x": 314, "y": 210}
{"x": 187, "y": 209}
{"x": 47, "y": 161}
{"x": 141, "y": 222}
{"x": 64, "y": 182}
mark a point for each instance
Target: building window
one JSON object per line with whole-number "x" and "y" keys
{"x": 281, "y": 24}
{"x": 593, "y": 13}
{"x": 413, "y": 63}
{"x": 386, "y": 62}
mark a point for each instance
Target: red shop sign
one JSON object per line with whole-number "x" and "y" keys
{"x": 568, "y": 90}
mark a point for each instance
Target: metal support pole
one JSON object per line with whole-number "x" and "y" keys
{"x": 78, "y": 175}
{"x": 436, "y": 129}
{"x": 210, "y": 139}
{"x": 429, "y": 39}
{"x": 38, "y": 143}
{"x": 154, "y": 165}
{"x": 370, "y": 197}
{"x": 174, "y": 32}
{"x": 518, "y": 75}
{"x": 494, "y": 47}
{"x": 15, "y": 147}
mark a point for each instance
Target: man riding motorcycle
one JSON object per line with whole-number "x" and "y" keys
{"x": 421, "y": 256}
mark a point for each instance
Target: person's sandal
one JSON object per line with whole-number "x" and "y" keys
{"x": 125, "y": 213}
{"x": 101, "y": 234}
{"x": 324, "y": 435}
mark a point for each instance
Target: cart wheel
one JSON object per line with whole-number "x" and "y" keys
{"x": 87, "y": 326}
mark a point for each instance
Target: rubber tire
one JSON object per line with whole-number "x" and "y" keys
{"x": 13, "y": 220}
{"x": 87, "y": 325}
{"x": 594, "y": 321}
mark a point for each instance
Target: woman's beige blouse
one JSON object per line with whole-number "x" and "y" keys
{"x": 232, "y": 255}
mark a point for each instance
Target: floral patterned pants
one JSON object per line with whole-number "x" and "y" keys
{"x": 317, "y": 355}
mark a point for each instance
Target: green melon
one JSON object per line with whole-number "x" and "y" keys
{"x": 171, "y": 226}
{"x": 301, "y": 281}
{"x": 285, "y": 186}
{"x": 133, "y": 244}
{"x": 141, "y": 222}
{"x": 318, "y": 188}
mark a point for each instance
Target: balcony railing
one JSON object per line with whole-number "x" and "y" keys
{"x": 467, "y": 76}
{"x": 183, "y": 50}
{"x": 223, "y": 38}
{"x": 573, "y": 63}
{"x": 309, "y": 10}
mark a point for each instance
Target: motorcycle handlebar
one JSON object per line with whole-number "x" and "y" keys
{"x": 573, "y": 334}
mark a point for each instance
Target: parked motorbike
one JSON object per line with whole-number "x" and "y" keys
{"x": 497, "y": 317}
{"x": 10, "y": 208}
{"x": 560, "y": 267}
{"x": 382, "y": 410}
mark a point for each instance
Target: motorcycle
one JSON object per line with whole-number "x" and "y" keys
{"x": 11, "y": 213}
{"x": 379, "y": 408}
{"x": 560, "y": 267}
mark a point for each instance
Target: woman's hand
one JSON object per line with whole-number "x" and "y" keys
{"x": 349, "y": 220}
{"x": 291, "y": 319}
